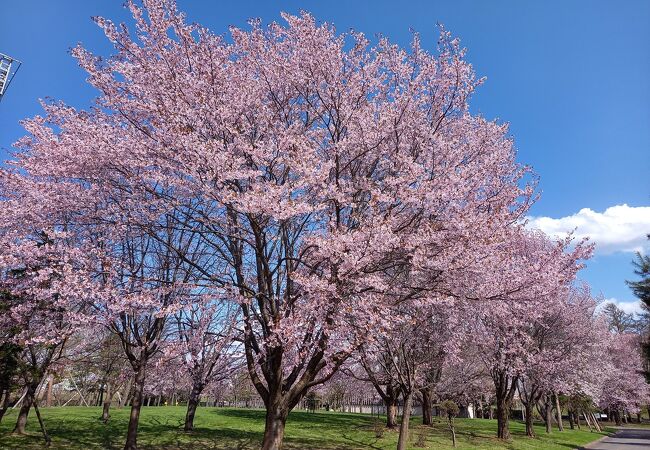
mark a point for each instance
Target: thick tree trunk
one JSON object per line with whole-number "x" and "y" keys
{"x": 503, "y": 418}
{"x": 390, "y": 397}
{"x": 402, "y": 442}
{"x": 548, "y": 410}
{"x": 426, "y": 407}
{"x": 558, "y": 410}
{"x": 136, "y": 405}
{"x": 108, "y": 397}
{"x": 28, "y": 400}
{"x": 530, "y": 431}
{"x": 617, "y": 417}
{"x": 4, "y": 405}
{"x": 505, "y": 388}
{"x": 192, "y": 403}
{"x": 571, "y": 420}
{"x": 391, "y": 413}
{"x": 276, "y": 420}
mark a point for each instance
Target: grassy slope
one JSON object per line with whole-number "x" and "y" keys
{"x": 161, "y": 428}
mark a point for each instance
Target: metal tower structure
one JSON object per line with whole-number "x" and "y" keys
{"x": 8, "y": 68}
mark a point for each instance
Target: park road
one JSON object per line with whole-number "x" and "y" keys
{"x": 624, "y": 439}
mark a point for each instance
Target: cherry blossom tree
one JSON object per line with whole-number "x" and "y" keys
{"x": 347, "y": 387}
{"x": 408, "y": 358}
{"x": 533, "y": 270}
{"x": 114, "y": 275}
{"x": 10, "y": 352}
{"x": 375, "y": 368}
{"x": 147, "y": 283}
{"x": 44, "y": 304}
{"x": 463, "y": 378}
{"x": 96, "y": 355}
{"x": 624, "y": 390}
{"x": 565, "y": 340}
{"x": 317, "y": 180}
{"x": 408, "y": 361}
{"x": 203, "y": 342}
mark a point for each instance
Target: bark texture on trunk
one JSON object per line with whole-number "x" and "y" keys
{"x": 391, "y": 413}
{"x": 136, "y": 405}
{"x": 558, "y": 410}
{"x": 402, "y": 442}
{"x": 276, "y": 420}
{"x": 4, "y": 405}
{"x": 108, "y": 397}
{"x": 505, "y": 389}
{"x": 28, "y": 401}
{"x": 529, "y": 395}
{"x": 503, "y": 417}
{"x": 530, "y": 431}
{"x": 192, "y": 404}
{"x": 390, "y": 397}
{"x": 48, "y": 394}
{"x": 427, "y": 419}
{"x": 548, "y": 413}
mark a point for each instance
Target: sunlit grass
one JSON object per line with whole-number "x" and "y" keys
{"x": 224, "y": 428}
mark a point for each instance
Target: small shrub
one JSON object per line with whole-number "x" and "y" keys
{"x": 450, "y": 409}
{"x": 421, "y": 438}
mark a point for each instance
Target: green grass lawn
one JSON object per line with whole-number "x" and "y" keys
{"x": 225, "y": 428}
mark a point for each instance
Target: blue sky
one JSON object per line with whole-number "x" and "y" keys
{"x": 571, "y": 77}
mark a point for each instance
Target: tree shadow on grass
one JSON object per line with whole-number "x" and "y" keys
{"x": 310, "y": 426}
{"x": 361, "y": 444}
{"x": 153, "y": 433}
{"x": 323, "y": 419}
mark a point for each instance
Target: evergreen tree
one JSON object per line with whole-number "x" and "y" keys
{"x": 641, "y": 289}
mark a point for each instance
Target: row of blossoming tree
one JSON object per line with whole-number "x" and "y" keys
{"x": 298, "y": 204}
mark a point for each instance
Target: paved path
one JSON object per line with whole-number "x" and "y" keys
{"x": 624, "y": 439}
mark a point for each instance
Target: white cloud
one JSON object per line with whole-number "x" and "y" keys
{"x": 619, "y": 228}
{"x": 630, "y": 306}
